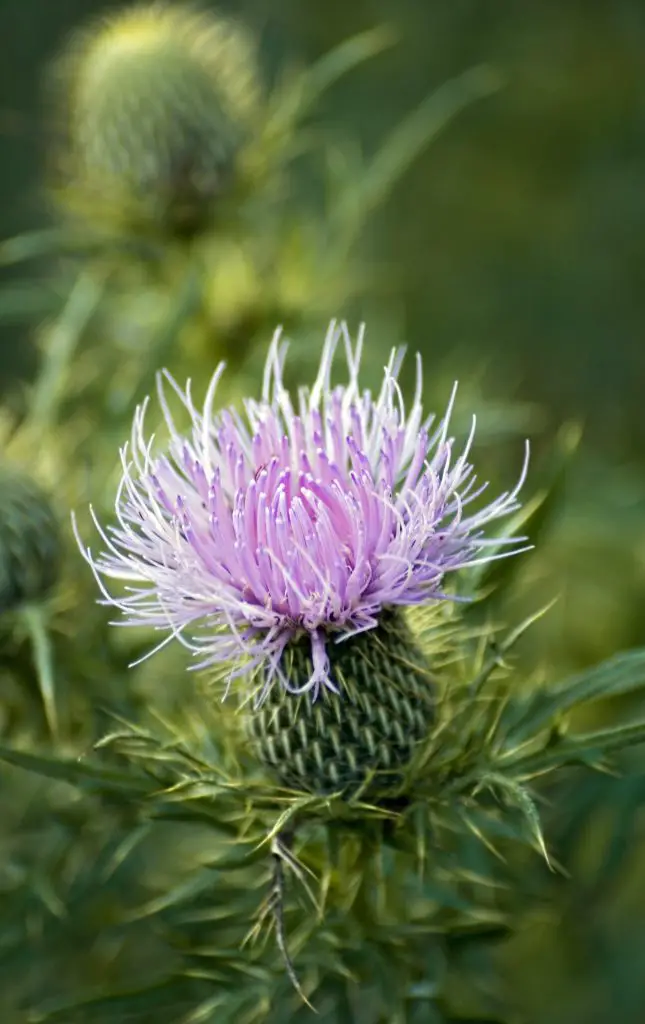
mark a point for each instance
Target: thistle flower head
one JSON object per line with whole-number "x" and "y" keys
{"x": 296, "y": 519}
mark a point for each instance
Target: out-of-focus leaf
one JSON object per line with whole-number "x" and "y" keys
{"x": 475, "y": 1020}
{"x": 62, "y": 342}
{"x": 53, "y": 242}
{"x": 619, "y": 675}
{"x": 27, "y": 301}
{"x": 589, "y": 749}
{"x": 404, "y": 145}
{"x": 36, "y": 623}
{"x": 341, "y": 60}
{"x": 34, "y": 244}
{"x": 118, "y": 1006}
{"x": 619, "y": 802}
{"x": 188, "y": 890}
{"x": 533, "y": 521}
{"x": 86, "y": 776}
{"x": 299, "y": 96}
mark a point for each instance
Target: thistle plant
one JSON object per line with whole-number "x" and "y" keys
{"x": 363, "y": 789}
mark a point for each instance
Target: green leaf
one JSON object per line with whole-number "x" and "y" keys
{"x": 33, "y": 244}
{"x": 342, "y": 59}
{"x": 27, "y": 301}
{"x": 53, "y": 242}
{"x": 492, "y": 827}
{"x": 622, "y": 674}
{"x": 182, "y": 893}
{"x": 207, "y": 1009}
{"x": 627, "y": 797}
{"x": 518, "y": 796}
{"x": 117, "y": 1006}
{"x": 406, "y": 142}
{"x": 589, "y": 749}
{"x": 295, "y": 96}
{"x": 423, "y": 1011}
{"x": 36, "y": 623}
{"x": 62, "y": 342}
{"x": 194, "y": 813}
{"x": 92, "y": 777}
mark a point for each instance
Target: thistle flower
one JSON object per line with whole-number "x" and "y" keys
{"x": 292, "y": 521}
{"x": 281, "y": 543}
{"x": 156, "y": 102}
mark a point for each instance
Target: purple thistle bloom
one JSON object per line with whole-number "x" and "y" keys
{"x": 292, "y": 519}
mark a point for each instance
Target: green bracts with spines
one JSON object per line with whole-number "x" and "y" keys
{"x": 361, "y": 740}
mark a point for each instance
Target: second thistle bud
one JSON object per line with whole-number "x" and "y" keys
{"x": 29, "y": 541}
{"x": 158, "y": 101}
{"x": 362, "y": 739}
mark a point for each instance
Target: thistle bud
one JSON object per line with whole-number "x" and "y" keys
{"x": 29, "y": 541}
{"x": 360, "y": 739}
{"x": 158, "y": 101}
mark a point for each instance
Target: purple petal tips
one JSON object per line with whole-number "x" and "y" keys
{"x": 293, "y": 517}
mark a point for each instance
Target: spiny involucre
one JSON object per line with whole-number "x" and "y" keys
{"x": 291, "y": 519}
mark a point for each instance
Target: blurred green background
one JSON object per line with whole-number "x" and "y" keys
{"x": 514, "y": 251}
{"x": 518, "y": 237}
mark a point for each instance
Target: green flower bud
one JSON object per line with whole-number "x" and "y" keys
{"x": 158, "y": 102}
{"x": 360, "y": 740}
{"x": 29, "y": 541}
